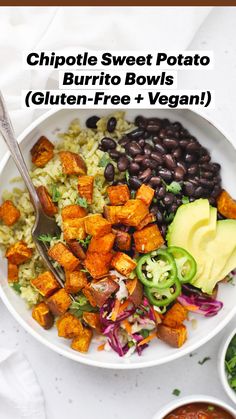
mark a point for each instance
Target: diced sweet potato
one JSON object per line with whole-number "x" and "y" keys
{"x": 18, "y": 253}
{"x": 175, "y": 316}
{"x": 226, "y": 205}
{"x": 148, "y": 239}
{"x": 77, "y": 249}
{"x": 75, "y": 281}
{"x": 59, "y": 302}
{"x": 118, "y": 195}
{"x": 123, "y": 263}
{"x": 111, "y": 213}
{"x": 81, "y": 343}
{"x": 42, "y": 152}
{"x": 104, "y": 243}
{"x": 122, "y": 240}
{"x": 63, "y": 256}
{"x": 46, "y": 284}
{"x": 85, "y": 188}
{"x": 133, "y": 212}
{"x": 72, "y": 211}
{"x": 175, "y": 337}
{"x": 98, "y": 292}
{"x": 92, "y": 320}
{"x": 96, "y": 225}
{"x": 135, "y": 290}
{"x": 74, "y": 229}
{"x": 9, "y": 213}
{"x": 72, "y": 163}
{"x": 98, "y": 264}
{"x": 48, "y": 206}
{"x": 12, "y": 272}
{"x": 146, "y": 194}
{"x": 69, "y": 326}
{"x": 43, "y": 315}
{"x": 150, "y": 218}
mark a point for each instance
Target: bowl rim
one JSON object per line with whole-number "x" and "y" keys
{"x": 83, "y": 358}
{"x": 221, "y": 365}
{"x": 195, "y": 398}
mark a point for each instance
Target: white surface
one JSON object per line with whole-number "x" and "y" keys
{"x": 73, "y": 390}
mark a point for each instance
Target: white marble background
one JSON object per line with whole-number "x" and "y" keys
{"x": 76, "y": 391}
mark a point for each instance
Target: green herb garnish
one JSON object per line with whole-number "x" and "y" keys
{"x": 127, "y": 176}
{"x": 210, "y": 408}
{"x": 86, "y": 241}
{"x": 169, "y": 217}
{"x": 185, "y": 199}
{"x": 130, "y": 344}
{"x": 80, "y": 305}
{"x": 132, "y": 194}
{"x": 82, "y": 202}
{"x": 230, "y": 363}
{"x": 174, "y": 187}
{"x": 46, "y": 238}
{"x": 104, "y": 160}
{"x": 17, "y": 287}
{"x": 144, "y": 333}
{"x": 176, "y": 392}
{"x": 56, "y": 195}
{"x": 207, "y": 358}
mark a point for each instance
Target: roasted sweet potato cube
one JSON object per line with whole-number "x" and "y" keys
{"x": 72, "y": 211}
{"x": 12, "y": 272}
{"x": 77, "y": 249}
{"x": 92, "y": 320}
{"x": 69, "y": 326}
{"x": 150, "y": 218}
{"x": 111, "y": 213}
{"x": 135, "y": 290}
{"x": 96, "y": 225}
{"x": 104, "y": 243}
{"x": 98, "y": 264}
{"x": 9, "y": 213}
{"x": 226, "y": 205}
{"x": 85, "y": 188}
{"x": 98, "y": 292}
{"x": 63, "y": 256}
{"x": 118, "y": 195}
{"x": 122, "y": 240}
{"x": 146, "y": 194}
{"x": 72, "y": 163}
{"x": 133, "y": 212}
{"x": 46, "y": 284}
{"x": 175, "y": 316}
{"x": 42, "y": 152}
{"x": 48, "y": 206}
{"x": 123, "y": 263}
{"x": 59, "y": 302}
{"x": 81, "y": 343}
{"x": 43, "y": 315}
{"x": 148, "y": 239}
{"x": 74, "y": 229}
{"x": 75, "y": 281}
{"x": 18, "y": 253}
{"x": 175, "y": 337}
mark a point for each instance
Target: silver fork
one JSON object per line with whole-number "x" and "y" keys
{"x": 43, "y": 224}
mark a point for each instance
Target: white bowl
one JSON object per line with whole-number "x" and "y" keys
{"x": 221, "y": 366}
{"x": 193, "y": 399}
{"x": 158, "y": 353}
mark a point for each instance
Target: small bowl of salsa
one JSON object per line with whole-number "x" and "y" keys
{"x": 197, "y": 407}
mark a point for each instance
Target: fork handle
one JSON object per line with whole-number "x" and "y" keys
{"x": 9, "y": 137}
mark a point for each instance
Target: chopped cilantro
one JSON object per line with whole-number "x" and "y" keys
{"x": 230, "y": 363}
{"x": 17, "y": 287}
{"x": 176, "y": 392}
{"x": 185, "y": 199}
{"x": 132, "y": 193}
{"x": 80, "y": 305}
{"x": 46, "y": 238}
{"x": 86, "y": 241}
{"x": 82, "y": 202}
{"x": 144, "y": 333}
{"x": 174, "y": 187}
{"x": 104, "y": 160}
{"x": 169, "y": 217}
{"x": 127, "y": 176}
{"x": 207, "y": 358}
{"x": 56, "y": 195}
{"x": 210, "y": 408}
{"x": 139, "y": 312}
{"x": 154, "y": 200}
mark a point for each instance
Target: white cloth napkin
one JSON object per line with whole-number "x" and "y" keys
{"x": 64, "y": 29}
{"x": 20, "y": 394}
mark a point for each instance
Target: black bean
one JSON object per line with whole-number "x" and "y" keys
{"x": 147, "y": 162}
{"x": 153, "y": 127}
{"x": 155, "y": 181}
{"x": 165, "y": 174}
{"x": 160, "y": 148}
{"x": 109, "y": 172}
{"x": 163, "y": 229}
{"x": 189, "y": 188}
{"x": 114, "y": 154}
{"x": 141, "y": 142}
{"x": 174, "y": 207}
{"x": 182, "y": 165}
{"x": 170, "y": 143}
{"x": 158, "y": 157}
{"x": 216, "y": 167}
{"x": 212, "y": 201}
{"x": 190, "y": 158}
{"x": 199, "y": 192}
{"x": 168, "y": 199}
{"x": 139, "y": 158}
{"x": 136, "y": 133}
{"x": 177, "y": 153}
{"x": 169, "y": 161}
{"x": 204, "y": 159}
{"x": 111, "y": 124}
{"x": 123, "y": 164}
{"x": 134, "y": 168}
{"x": 206, "y": 183}
{"x": 177, "y": 125}
{"x": 134, "y": 183}
{"x": 140, "y": 121}
{"x": 192, "y": 147}
{"x": 159, "y": 216}
{"x": 193, "y": 169}
{"x": 162, "y": 133}
{"x": 161, "y": 192}
{"x": 217, "y": 189}
{"x": 148, "y": 149}
{"x": 133, "y": 149}
{"x": 179, "y": 173}
{"x": 124, "y": 141}
{"x": 183, "y": 143}
{"x": 207, "y": 166}
{"x": 146, "y": 174}
{"x": 207, "y": 175}
{"x": 92, "y": 122}
{"x": 108, "y": 143}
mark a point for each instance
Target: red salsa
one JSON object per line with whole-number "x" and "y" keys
{"x": 199, "y": 411}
